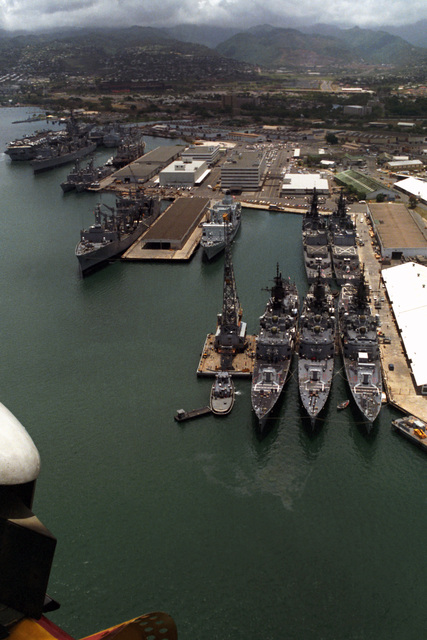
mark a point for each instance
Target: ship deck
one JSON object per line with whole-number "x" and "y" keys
{"x": 210, "y": 360}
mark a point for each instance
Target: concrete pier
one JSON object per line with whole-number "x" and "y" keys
{"x": 397, "y": 380}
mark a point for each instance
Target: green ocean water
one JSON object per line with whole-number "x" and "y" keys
{"x": 296, "y": 536}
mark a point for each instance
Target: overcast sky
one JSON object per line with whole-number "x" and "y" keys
{"x": 41, "y": 14}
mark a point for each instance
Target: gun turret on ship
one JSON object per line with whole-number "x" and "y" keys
{"x": 360, "y": 350}
{"x": 315, "y": 243}
{"x": 275, "y": 346}
{"x": 317, "y": 331}
{"x": 342, "y": 238}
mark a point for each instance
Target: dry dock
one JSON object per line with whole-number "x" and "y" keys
{"x": 210, "y": 360}
{"x": 175, "y": 235}
{"x": 398, "y": 382}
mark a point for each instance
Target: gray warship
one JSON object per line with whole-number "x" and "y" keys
{"x": 360, "y": 350}
{"x": 275, "y": 345}
{"x": 115, "y": 230}
{"x": 64, "y": 147}
{"x": 342, "y": 238}
{"x": 317, "y": 333}
{"x": 222, "y": 214}
{"x": 315, "y": 243}
{"x": 83, "y": 178}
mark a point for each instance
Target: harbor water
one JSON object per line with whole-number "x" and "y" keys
{"x": 296, "y": 535}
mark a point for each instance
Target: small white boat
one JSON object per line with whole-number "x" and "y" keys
{"x": 222, "y": 394}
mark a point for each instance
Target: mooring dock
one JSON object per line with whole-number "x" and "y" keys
{"x": 242, "y": 363}
{"x": 175, "y": 235}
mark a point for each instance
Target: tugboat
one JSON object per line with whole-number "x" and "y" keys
{"x": 115, "y": 231}
{"x": 316, "y": 347}
{"x": 222, "y": 394}
{"x": 227, "y": 212}
{"x": 413, "y": 429}
{"x": 342, "y": 238}
{"x": 315, "y": 243}
{"x": 275, "y": 345}
{"x": 360, "y": 350}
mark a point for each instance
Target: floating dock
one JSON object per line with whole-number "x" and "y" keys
{"x": 182, "y": 415}
{"x": 242, "y": 363}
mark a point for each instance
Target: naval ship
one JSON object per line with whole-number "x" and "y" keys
{"x": 317, "y": 332}
{"x": 275, "y": 345}
{"x": 228, "y": 211}
{"x": 116, "y": 230}
{"x": 315, "y": 243}
{"x": 360, "y": 350}
{"x": 342, "y": 238}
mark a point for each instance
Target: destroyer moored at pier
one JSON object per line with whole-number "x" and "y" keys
{"x": 226, "y": 213}
{"x": 114, "y": 231}
{"x": 275, "y": 346}
{"x": 342, "y": 238}
{"x": 317, "y": 330}
{"x": 315, "y": 243}
{"x": 360, "y": 349}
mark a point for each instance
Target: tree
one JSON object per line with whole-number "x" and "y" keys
{"x": 331, "y": 138}
{"x": 412, "y": 202}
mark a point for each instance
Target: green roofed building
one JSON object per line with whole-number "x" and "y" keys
{"x": 363, "y": 185}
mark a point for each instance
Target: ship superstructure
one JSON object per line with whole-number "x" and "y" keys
{"x": 360, "y": 350}
{"x": 275, "y": 346}
{"x": 315, "y": 242}
{"x": 317, "y": 334}
{"x": 224, "y": 217}
{"x": 342, "y": 238}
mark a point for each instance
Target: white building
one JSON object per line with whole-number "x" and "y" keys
{"x": 303, "y": 183}
{"x": 182, "y": 173}
{"x": 208, "y": 153}
{"x": 407, "y": 290}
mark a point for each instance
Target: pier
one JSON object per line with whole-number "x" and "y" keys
{"x": 175, "y": 235}
{"x": 397, "y": 377}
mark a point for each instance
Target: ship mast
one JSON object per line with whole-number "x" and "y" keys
{"x": 229, "y": 337}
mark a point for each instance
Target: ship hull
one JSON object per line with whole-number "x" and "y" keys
{"x": 212, "y": 249}
{"x": 45, "y": 164}
{"x": 314, "y": 393}
{"x": 265, "y": 399}
{"x": 89, "y": 260}
{"x": 367, "y": 398}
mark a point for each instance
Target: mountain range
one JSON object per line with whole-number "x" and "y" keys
{"x": 264, "y": 45}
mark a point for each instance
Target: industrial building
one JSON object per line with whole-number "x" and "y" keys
{"x": 148, "y": 165}
{"x": 185, "y": 173}
{"x": 175, "y": 226}
{"x": 208, "y": 153}
{"x": 406, "y": 286}
{"x": 243, "y": 171}
{"x": 400, "y": 232}
{"x": 303, "y": 183}
{"x": 413, "y": 187}
{"x": 404, "y": 165}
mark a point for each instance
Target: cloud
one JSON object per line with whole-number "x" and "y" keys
{"x": 43, "y": 14}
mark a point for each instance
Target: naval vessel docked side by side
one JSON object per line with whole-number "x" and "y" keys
{"x": 315, "y": 243}
{"x": 317, "y": 333}
{"x": 275, "y": 345}
{"x": 360, "y": 349}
